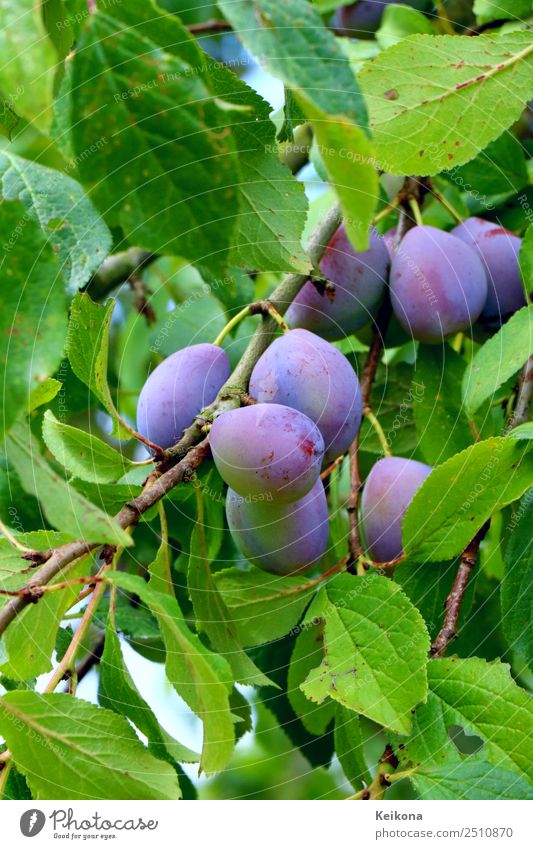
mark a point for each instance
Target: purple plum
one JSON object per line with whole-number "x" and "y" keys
{"x": 305, "y": 372}
{"x": 498, "y": 249}
{"x": 280, "y": 538}
{"x": 362, "y": 19}
{"x": 178, "y": 389}
{"x": 387, "y": 493}
{"x": 267, "y": 449}
{"x": 438, "y": 284}
{"x": 359, "y": 279}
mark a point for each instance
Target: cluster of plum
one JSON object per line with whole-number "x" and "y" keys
{"x": 308, "y": 404}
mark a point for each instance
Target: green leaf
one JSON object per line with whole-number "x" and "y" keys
{"x": 43, "y": 393}
{"x": 33, "y": 317}
{"x": 426, "y": 93}
{"x": 400, "y": 21}
{"x": 349, "y": 747}
{"x": 263, "y": 607}
{"x": 154, "y": 94}
{"x": 30, "y": 640}
{"x": 83, "y": 454}
{"x": 117, "y": 691}
{"x": 67, "y": 217}
{"x": 483, "y": 698}
{"x": 9, "y": 119}
{"x": 459, "y": 496}
{"x": 375, "y": 646}
{"x": 517, "y": 584}
{"x": 28, "y": 61}
{"x": 428, "y": 585}
{"x": 308, "y": 653}
{"x": 14, "y": 571}
{"x": 203, "y": 679}
{"x": 88, "y": 349}
{"x": 523, "y": 431}
{"x": 441, "y": 424}
{"x": 498, "y": 359}
{"x": 297, "y": 48}
{"x": 62, "y": 505}
{"x": 212, "y": 615}
{"x": 69, "y": 748}
{"x": 499, "y": 169}
{"x": 58, "y": 26}
{"x": 525, "y": 259}
{"x": 475, "y": 779}
{"x": 498, "y": 10}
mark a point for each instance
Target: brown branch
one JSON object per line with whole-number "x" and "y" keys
{"x": 208, "y": 27}
{"x": 189, "y": 450}
{"x": 117, "y": 269}
{"x": 129, "y": 515}
{"x": 448, "y": 632}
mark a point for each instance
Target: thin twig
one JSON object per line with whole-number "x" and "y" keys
{"x": 117, "y": 269}
{"x": 90, "y": 661}
{"x": 525, "y": 393}
{"x": 448, "y": 632}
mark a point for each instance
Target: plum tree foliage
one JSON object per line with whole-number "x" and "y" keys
{"x": 262, "y": 431}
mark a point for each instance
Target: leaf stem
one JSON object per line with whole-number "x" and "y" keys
{"x": 443, "y": 18}
{"x": 386, "y": 210}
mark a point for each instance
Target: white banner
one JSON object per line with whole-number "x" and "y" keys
{"x": 253, "y": 826}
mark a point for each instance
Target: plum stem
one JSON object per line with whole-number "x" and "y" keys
{"x": 447, "y": 205}
{"x": 233, "y": 322}
{"x": 386, "y": 210}
{"x": 443, "y": 18}
{"x": 415, "y": 208}
{"x": 380, "y": 433}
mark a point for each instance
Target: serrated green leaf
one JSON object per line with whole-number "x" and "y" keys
{"x": 308, "y": 653}
{"x": 117, "y": 691}
{"x": 68, "y": 219}
{"x": 28, "y": 61}
{"x": 203, "y": 679}
{"x": 483, "y": 698}
{"x": 83, "y": 454}
{"x": 441, "y": 424}
{"x": 153, "y": 86}
{"x": 67, "y": 747}
{"x": 263, "y": 607}
{"x": 43, "y": 393}
{"x": 349, "y": 747}
{"x": 459, "y": 496}
{"x": 425, "y": 96}
{"x": 62, "y": 505}
{"x": 525, "y": 259}
{"x": 499, "y": 169}
{"x": 517, "y": 584}
{"x": 399, "y": 22}
{"x": 212, "y": 615}
{"x": 475, "y": 779}
{"x": 88, "y": 348}
{"x": 500, "y": 10}
{"x": 297, "y": 48}
{"x": 30, "y": 640}
{"x": 33, "y": 317}
{"x": 375, "y": 646}
{"x": 498, "y": 359}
